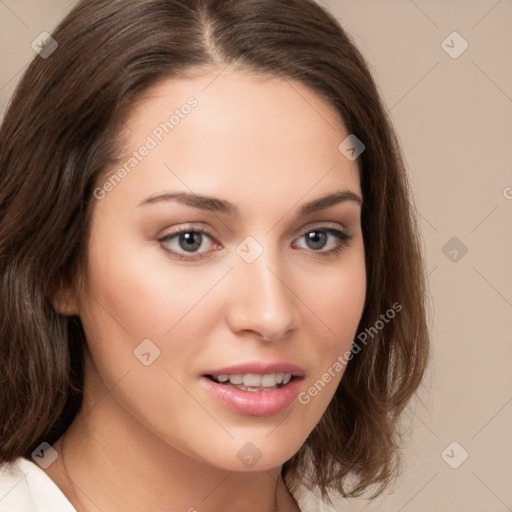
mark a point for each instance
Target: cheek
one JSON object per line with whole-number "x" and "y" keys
{"x": 341, "y": 303}
{"x": 336, "y": 314}
{"x": 138, "y": 288}
{"x": 342, "y": 307}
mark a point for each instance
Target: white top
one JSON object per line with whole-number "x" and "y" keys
{"x": 25, "y": 487}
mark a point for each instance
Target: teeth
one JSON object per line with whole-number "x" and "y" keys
{"x": 253, "y": 380}
{"x": 267, "y": 381}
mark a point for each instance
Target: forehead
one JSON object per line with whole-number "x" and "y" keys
{"x": 235, "y": 132}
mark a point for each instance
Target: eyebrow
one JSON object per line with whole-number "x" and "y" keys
{"x": 216, "y": 205}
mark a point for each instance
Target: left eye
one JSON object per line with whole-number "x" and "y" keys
{"x": 318, "y": 239}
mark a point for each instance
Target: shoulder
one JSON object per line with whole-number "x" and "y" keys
{"x": 25, "y": 487}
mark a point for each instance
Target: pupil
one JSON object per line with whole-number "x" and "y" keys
{"x": 191, "y": 243}
{"x": 317, "y": 239}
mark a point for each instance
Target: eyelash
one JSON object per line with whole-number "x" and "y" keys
{"x": 343, "y": 238}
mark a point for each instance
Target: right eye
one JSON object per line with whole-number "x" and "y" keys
{"x": 186, "y": 243}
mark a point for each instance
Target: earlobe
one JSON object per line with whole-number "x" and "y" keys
{"x": 64, "y": 300}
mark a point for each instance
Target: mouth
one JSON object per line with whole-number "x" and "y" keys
{"x": 252, "y": 381}
{"x": 255, "y": 389}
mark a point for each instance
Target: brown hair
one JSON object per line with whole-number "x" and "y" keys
{"x": 60, "y": 136}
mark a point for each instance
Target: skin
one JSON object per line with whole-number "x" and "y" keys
{"x": 151, "y": 437}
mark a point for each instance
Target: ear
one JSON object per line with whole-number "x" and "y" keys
{"x": 64, "y": 299}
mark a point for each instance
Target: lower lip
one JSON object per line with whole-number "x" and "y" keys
{"x": 254, "y": 403}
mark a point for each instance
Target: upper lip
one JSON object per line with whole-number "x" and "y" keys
{"x": 258, "y": 368}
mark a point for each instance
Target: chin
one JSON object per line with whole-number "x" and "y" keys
{"x": 261, "y": 451}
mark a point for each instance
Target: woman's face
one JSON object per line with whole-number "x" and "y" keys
{"x": 263, "y": 281}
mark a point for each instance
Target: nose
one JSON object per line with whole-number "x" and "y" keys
{"x": 262, "y": 298}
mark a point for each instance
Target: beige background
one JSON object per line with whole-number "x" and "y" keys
{"x": 454, "y": 117}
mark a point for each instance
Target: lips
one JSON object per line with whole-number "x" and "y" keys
{"x": 255, "y": 389}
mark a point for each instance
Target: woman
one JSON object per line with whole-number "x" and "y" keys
{"x": 212, "y": 289}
